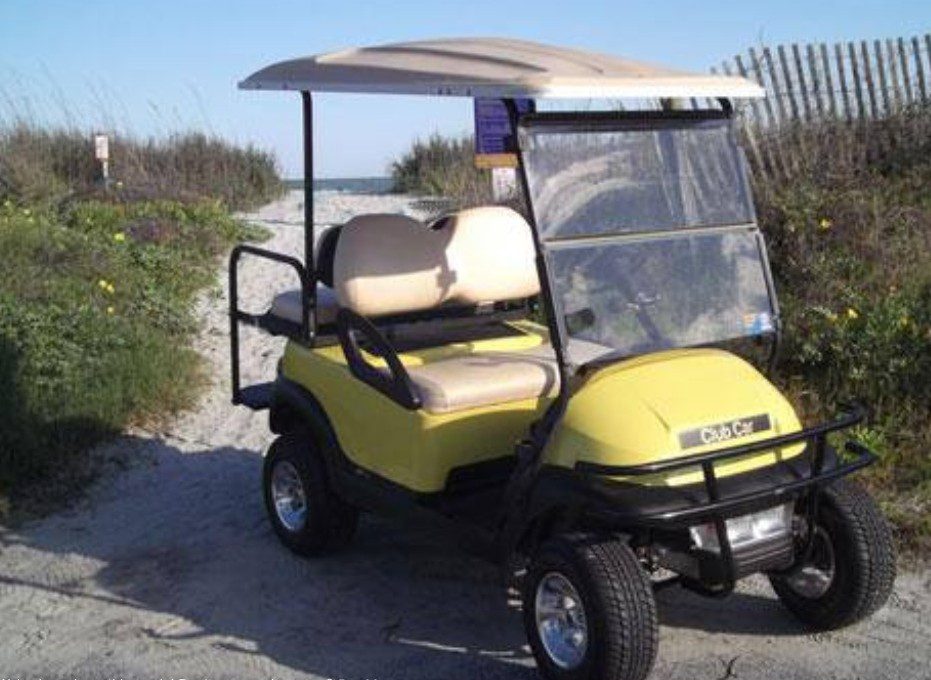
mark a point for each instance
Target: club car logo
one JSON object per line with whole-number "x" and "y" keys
{"x": 724, "y": 432}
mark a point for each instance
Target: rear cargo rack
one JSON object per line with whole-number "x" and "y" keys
{"x": 716, "y": 505}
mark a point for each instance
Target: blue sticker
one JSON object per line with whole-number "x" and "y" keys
{"x": 757, "y": 324}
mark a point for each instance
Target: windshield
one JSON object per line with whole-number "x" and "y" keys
{"x": 649, "y": 234}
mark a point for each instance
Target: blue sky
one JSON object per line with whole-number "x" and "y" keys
{"x": 156, "y": 67}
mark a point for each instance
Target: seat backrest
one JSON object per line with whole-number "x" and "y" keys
{"x": 389, "y": 264}
{"x": 326, "y": 251}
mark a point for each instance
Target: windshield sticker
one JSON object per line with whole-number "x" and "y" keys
{"x": 724, "y": 432}
{"x": 757, "y": 324}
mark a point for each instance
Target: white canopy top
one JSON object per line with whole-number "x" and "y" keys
{"x": 491, "y": 67}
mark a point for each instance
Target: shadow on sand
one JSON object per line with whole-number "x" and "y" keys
{"x": 184, "y": 534}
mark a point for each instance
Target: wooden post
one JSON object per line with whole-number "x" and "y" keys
{"x": 894, "y": 73}
{"x": 775, "y": 150}
{"x": 868, "y": 74}
{"x": 828, "y": 80}
{"x": 928, "y": 53}
{"x": 787, "y": 75}
{"x": 767, "y": 152}
{"x": 881, "y": 70}
{"x": 758, "y": 77}
{"x": 755, "y": 105}
{"x": 919, "y": 69}
{"x": 855, "y": 74}
{"x": 906, "y": 76}
{"x": 760, "y": 165}
{"x": 815, "y": 80}
{"x": 102, "y": 156}
{"x": 842, "y": 77}
{"x": 803, "y": 88}
{"x": 777, "y": 90}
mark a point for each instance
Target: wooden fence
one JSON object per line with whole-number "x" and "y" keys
{"x": 844, "y": 83}
{"x": 851, "y": 81}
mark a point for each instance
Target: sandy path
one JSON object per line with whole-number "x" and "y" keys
{"x": 169, "y": 569}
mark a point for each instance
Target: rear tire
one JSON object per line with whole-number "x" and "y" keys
{"x": 852, "y": 570}
{"x": 615, "y": 635}
{"x": 305, "y": 513}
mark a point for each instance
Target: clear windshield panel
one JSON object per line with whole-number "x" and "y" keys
{"x": 676, "y": 175}
{"x": 624, "y": 297}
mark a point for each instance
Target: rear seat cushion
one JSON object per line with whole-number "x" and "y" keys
{"x": 485, "y": 379}
{"x": 287, "y": 305}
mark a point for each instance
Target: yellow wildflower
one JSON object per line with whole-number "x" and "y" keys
{"x": 852, "y": 313}
{"x": 110, "y": 310}
{"x": 119, "y": 237}
{"x": 825, "y": 223}
{"x": 110, "y": 288}
{"x": 103, "y": 284}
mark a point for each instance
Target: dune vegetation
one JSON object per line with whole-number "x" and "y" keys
{"x": 97, "y": 289}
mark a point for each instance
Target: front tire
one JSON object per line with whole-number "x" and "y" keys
{"x": 306, "y": 515}
{"x": 852, "y": 567}
{"x": 589, "y": 610}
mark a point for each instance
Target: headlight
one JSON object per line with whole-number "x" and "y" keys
{"x": 746, "y": 529}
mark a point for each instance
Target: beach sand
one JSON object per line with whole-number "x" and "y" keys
{"x": 168, "y": 568}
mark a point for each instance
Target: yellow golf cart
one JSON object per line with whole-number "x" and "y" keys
{"x": 622, "y": 444}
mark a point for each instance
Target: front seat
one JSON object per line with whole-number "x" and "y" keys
{"x": 392, "y": 264}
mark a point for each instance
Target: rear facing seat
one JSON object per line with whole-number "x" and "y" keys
{"x": 287, "y": 305}
{"x": 390, "y": 264}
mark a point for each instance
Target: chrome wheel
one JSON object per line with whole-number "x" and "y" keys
{"x": 561, "y": 622}
{"x": 288, "y": 496}
{"x": 816, "y": 576}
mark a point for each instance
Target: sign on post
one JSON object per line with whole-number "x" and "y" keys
{"x": 494, "y": 139}
{"x": 102, "y": 155}
{"x": 101, "y": 147}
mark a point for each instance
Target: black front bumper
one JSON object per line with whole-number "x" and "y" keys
{"x": 666, "y": 511}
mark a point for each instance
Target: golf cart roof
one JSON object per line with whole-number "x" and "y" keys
{"x": 491, "y": 67}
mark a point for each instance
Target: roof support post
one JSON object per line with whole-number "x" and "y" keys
{"x": 309, "y": 264}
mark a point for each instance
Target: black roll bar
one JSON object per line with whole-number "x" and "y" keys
{"x": 307, "y": 118}
{"x": 237, "y": 315}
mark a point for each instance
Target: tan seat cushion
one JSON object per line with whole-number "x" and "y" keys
{"x": 485, "y": 379}
{"x": 388, "y": 264}
{"x": 287, "y": 305}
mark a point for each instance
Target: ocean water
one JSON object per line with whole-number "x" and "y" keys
{"x": 354, "y": 185}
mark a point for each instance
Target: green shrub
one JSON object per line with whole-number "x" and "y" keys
{"x": 95, "y": 319}
{"x": 849, "y": 232}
